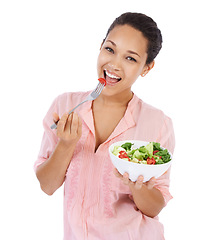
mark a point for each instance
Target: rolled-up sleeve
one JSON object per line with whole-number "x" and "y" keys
{"x": 162, "y": 184}
{"x": 49, "y": 139}
{"x": 167, "y": 140}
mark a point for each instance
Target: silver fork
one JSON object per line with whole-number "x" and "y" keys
{"x": 96, "y": 92}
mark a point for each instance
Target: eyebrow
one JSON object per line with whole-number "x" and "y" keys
{"x": 129, "y": 51}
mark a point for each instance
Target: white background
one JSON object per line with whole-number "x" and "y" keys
{"x": 50, "y": 47}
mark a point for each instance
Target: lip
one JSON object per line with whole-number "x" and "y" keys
{"x": 110, "y": 83}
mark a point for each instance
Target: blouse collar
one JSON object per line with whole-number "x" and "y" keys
{"x": 126, "y": 122}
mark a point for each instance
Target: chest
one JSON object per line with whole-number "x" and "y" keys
{"x": 105, "y": 122}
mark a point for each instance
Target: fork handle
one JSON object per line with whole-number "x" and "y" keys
{"x": 77, "y": 106}
{"x": 54, "y": 126}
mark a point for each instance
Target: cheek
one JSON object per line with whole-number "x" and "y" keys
{"x": 103, "y": 58}
{"x": 139, "y": 70}
{"x": 100, "y": 61}
{"x": 134, "y": 72}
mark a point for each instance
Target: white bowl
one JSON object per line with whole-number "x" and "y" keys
{"x": 136, "y": 169}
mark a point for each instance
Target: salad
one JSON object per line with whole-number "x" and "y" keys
{"x": 151, "y": 154}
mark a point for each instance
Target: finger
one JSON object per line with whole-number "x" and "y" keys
{"x": 151, "y": 183}
{"x": 62, "y": 123}
{"x": 116, "y": 173}
{"x": 126, "y": 180}
{"x": 139, "y": 182}
{"x": 68, "y": 123}
{"x": 74, "y": 124}
{"x": 131, "y": 197}
{"x": 55, "y": 117}
{"x": 79, "y": 127}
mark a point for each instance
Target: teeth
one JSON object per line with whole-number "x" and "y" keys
{"x": 111, "y": 75}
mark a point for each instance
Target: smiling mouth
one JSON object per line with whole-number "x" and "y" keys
{"x": 110, "y": 78}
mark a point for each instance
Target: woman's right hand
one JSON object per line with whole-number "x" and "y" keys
{"x": 69, "y": 128}
{"x": 51, "y": 174}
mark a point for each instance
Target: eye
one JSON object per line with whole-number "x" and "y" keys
{"x": 131, "y": 59}
{"x": 109, "y": 49}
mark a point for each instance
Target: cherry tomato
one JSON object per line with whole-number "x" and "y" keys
{"x": 123, "y": 154}
{"x": 151, "y": 161}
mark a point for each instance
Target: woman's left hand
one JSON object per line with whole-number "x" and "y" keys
{"x": 138, "y": 183}
{"x": 148, "y": 199}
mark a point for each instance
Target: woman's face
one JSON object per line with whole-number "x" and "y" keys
{"x": 122, "y": 59}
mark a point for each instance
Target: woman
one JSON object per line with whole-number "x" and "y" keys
{"x": 100, "y": 203}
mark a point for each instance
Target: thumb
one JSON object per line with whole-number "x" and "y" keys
{"x": 55, "y": 117}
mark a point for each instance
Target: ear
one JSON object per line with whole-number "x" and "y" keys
{"x": 147, "y": 68}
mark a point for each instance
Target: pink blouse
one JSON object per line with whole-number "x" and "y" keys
{"x": 96, "y": 202}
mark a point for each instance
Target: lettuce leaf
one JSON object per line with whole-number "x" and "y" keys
{"x": 139, "y": 155}
{"x": 149, "y": 148}
{"x": 117, "y": 149}
{"x": 127, "y": 146}
{"x": 156, "y": 146}
{"x": 165, "y": 156}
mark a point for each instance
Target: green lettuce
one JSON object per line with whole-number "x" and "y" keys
{"x": 156, "y": 146}
{"x": 165, "y": 156}
{"x": 141, "y": 154}
{"x": 127, "y": 146}
{"x": 117, "y": 149}
{"x": 149, "y": 148}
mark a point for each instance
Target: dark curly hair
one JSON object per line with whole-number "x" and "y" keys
{"x": 147, "y": 26}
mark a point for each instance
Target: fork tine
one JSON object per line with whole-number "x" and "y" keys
{"x": 99, "y": 88}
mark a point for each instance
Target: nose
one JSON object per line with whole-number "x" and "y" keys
{"x": 115, "y": 63}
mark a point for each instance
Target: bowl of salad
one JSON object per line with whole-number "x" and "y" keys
{"x": 148, "y": 159}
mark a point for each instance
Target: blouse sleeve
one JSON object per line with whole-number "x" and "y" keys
{"x": 50, "y": 138}
{"x": 167, "y": 140}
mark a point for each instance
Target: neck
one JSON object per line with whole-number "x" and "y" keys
{"x": 119, "y": 100}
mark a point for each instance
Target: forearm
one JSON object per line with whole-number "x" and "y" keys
{"x": 149, "y": 201}
{"x": 51, "y": 174}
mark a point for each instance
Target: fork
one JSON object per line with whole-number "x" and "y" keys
{"x": 93, "y": 95}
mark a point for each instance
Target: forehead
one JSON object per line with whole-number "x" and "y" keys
{"x": 128, "y": 38}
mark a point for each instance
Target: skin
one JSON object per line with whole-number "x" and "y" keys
{"x": 51, "y": 174}
{"x": 116, "y": 56}
{"x": 123, "y": 54}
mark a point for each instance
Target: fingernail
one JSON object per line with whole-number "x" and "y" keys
{"x": 125, "y": 175}
{"x": 140, "y": 179}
